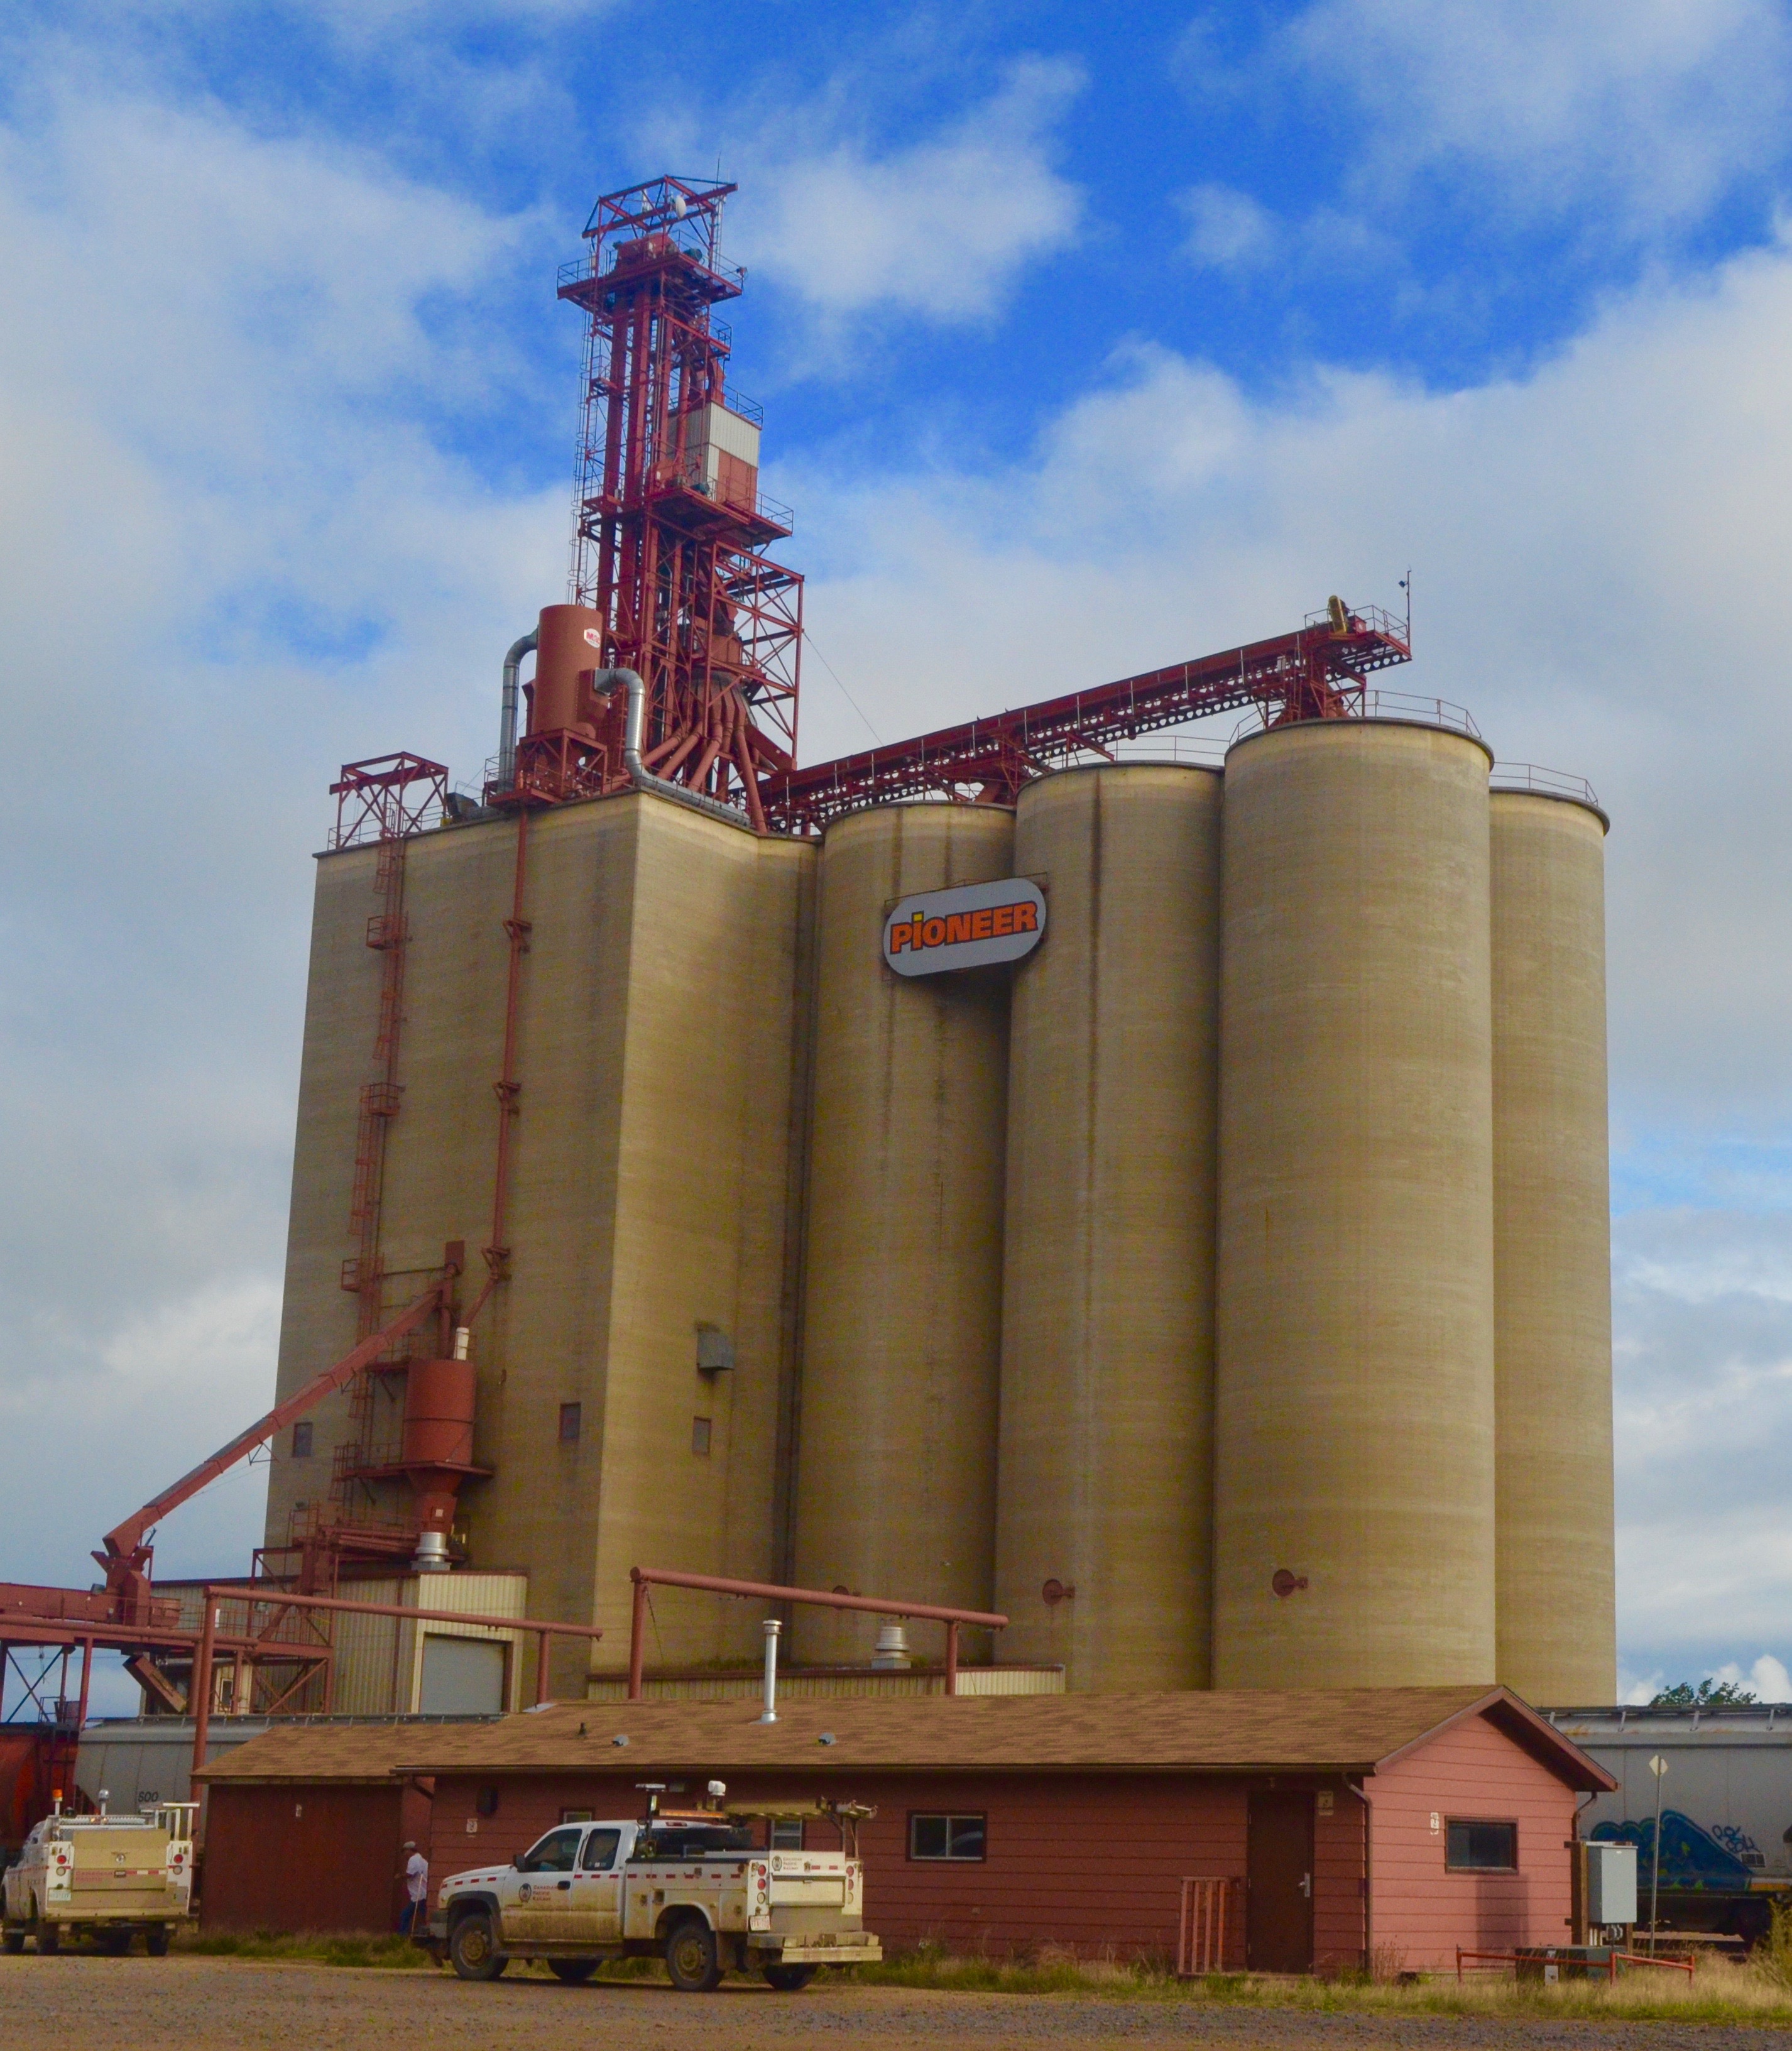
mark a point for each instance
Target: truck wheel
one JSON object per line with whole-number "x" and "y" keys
{"x": 12, "y": 1942}
{"x": 790, "y": 1979}
{"x": 691, "y": 1957}
{"x": 49, "y": 1939}
{"x": 472, "y": 1948}
{"x": 115, "y": 1943}
{"x": 572, "y": 1972}
{"x": 155, "y": 1940}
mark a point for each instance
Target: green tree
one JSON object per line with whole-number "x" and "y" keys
{"x": 1709, "y": 1695}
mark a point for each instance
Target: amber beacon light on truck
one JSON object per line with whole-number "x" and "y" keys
{"x": 972, "y": 927}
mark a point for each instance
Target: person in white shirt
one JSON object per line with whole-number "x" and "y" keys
{"x": 415, "y": 1877}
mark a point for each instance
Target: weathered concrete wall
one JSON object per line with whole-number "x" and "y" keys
{"x": 661, "y": 1060}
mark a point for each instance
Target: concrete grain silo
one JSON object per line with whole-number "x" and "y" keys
{"x": 1353, "y": 1527}
{"x": 1552, "y": 1251}
{"x": 661, "y": 996}
{"x": 1108, "y": 1322}
{"x": 895, "y": 1478}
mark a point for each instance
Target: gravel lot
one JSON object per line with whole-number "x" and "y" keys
{"x": 172, "y": 2004}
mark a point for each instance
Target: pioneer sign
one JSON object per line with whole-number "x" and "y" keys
{"x": 972, "y": 927}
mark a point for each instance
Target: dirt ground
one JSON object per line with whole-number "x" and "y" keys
{"x": 207, "y": 2004}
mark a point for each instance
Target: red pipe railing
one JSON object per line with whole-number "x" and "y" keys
{"x": 647, "y": 1577}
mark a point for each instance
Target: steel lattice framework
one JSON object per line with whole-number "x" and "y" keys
{"x": 671, "y": 534}
{"x": 1320, "y": 672}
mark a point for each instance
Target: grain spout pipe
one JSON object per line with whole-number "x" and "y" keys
{"x": 126, "y": 1554}
{"x": 606, "y": 681}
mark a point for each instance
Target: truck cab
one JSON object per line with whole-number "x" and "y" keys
{"x": 699, "y": 1890}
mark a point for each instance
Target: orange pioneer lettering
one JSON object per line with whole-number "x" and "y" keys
{"x": 958, "y": 928}
{"x": 980, "y": 925}
{"x": 1005, "y": 920}
{"x": 1026, "y": 917}
{"x": 900, "y": 936}
{"x": 933, "y": 933}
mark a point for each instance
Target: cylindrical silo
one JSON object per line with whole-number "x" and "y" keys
{"x": 902, "y": 1318}
{"x": 1107, "y": 1320}
{"x": 1353, "y": 1517}
{"x": 1551, "y": 1252}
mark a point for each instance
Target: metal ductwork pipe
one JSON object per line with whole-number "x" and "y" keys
{"x": 769, "y": 1714}
{"x": 507, "y": 717}
{"x": 604, "y": 682}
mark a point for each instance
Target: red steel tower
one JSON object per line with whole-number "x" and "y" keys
{"x": 670, "y": 577}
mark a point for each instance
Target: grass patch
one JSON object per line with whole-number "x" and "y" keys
{"x": 324, "y": 1948}
{"x": 1720, "y": 1991}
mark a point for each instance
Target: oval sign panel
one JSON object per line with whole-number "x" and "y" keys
{"x": 972, "y": 927}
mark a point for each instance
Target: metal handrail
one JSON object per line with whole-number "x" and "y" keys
{"x": 1543, "y": 782}
{"x": 1393, "y": 705}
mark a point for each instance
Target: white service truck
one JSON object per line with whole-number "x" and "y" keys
{"x": 695, "y": 1888}
{"x": 105, "y": 1877}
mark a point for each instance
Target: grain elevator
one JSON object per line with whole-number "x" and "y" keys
{"x": 1155, "y": 1193}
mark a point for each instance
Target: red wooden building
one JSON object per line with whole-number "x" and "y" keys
{"x": 1353, "y": 1827}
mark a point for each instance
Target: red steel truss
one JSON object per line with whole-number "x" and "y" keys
{"x": 1320, "y": 672}
{"x": 670, "y": 529}
{"x": 387, "y": 798}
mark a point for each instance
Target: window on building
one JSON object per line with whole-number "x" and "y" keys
{"x": 786, "y": 1833}
{"x": 302, "y": 1442}
{"x": 1481, "y": 1847}
{"x": 959, "y": 1837}
{"x": 575, "y": 1815}
{"x": 699, "y": 1435}
{"x": 570, "y": 1414}
{"x": 484, "y": 1803}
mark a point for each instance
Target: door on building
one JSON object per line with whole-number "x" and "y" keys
{"x": 1278, "y": 1887}
{"x": 461, "y": 1676}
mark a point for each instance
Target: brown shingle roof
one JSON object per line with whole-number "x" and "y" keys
{"x": 1334, "y": 1729}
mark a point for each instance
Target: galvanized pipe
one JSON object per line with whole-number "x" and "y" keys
{"x": 769, "y": 1714}
{"x": 507, "y": 717}
{"x": 643, "y": 778}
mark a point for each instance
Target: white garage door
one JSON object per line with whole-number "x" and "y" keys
{"x": 461, "y": 1677}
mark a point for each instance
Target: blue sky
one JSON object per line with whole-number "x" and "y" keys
{"x": 1088, "y": 339}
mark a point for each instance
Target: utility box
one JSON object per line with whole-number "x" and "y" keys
{"x": 1611, "y": 1884}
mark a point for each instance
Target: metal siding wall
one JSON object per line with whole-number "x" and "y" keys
{"x": 1108, "y": 1313}
{"x": 1354, "y": 1394}
{"x": 371, "y": 1679}
{"x": 895, "y": 1478}
{"x": 1552, "y": 1253}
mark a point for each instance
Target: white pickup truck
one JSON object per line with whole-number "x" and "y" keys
{"x": 103, "y": 1877}
{"x": 693, "y": 1888}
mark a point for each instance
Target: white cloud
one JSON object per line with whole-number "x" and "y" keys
{"x": 237, "y": 553}
{"x": 1767, "y": 1679}
{"x": 1227, "y": 229}
{"x": 1649, "y": 107}
{"x": 939, "y": 228}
